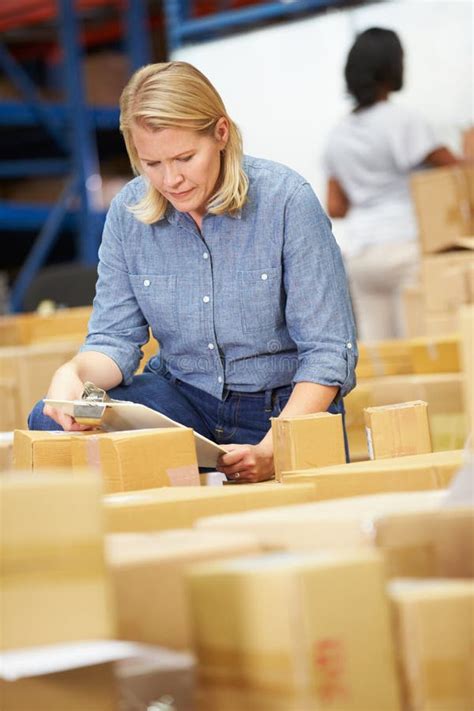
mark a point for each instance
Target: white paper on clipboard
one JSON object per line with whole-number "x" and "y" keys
{"x": 122, "y": 415}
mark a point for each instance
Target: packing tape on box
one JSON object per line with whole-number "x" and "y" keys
{"x": 77, "y": 560}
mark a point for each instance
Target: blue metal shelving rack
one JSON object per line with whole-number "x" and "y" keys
{"x": 72, "y": 125}
{"x": 183, "y": 26}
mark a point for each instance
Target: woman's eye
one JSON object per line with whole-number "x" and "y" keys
{"x": 185, "y": 160}
{"x": 152, "y": 165}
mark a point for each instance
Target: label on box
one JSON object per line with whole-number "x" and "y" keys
{"x": 370, "y": 445}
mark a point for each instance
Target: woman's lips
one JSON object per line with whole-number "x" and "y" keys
{"x": 181, "y": 195}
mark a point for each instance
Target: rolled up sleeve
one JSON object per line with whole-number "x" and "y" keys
{"x": 117, "y": 327}
{"x": 318, "y": 309}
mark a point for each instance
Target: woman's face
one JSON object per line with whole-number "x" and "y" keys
{"x": 181, "y": 164}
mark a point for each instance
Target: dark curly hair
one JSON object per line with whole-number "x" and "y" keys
{"x": 374, "y": 63}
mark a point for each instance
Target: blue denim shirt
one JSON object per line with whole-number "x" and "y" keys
{"x": 255, "y": 301}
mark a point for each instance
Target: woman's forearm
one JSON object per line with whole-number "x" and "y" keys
{"x": 95, "y": 367}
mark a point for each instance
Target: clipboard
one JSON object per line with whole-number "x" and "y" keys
{"x": 119, "y": 415}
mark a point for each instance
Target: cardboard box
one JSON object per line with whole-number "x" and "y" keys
{"x": 427, "y": 544}
{"x": 92, "y": 688}
{"x": 61, "y": 325}
{"x": 444, "y": 393}
{"x": 383, "y": 358}
{"x": 32, "y": 368}
{"x": 307, "y": 441}
{"x": 53, "y": 572}
{"x": 180, "y": 507}
{"x": 9, "y": 396}
{"x": 435, "y": 355}
{"x": 447, "y": 281}
{"x": 411, "y": 473}
{"x": 441, "y": 323}
{"x": 6, "y": 451}
{"x": 413, "y": 311}
{"x": 438, "y": 467}
{"x": 34, "y": 450}
{"x": 325, "y": 524}
{"x": 443, "y": 207}
{"x": 467, "y": 357}
{"x": 397, "y": 430}
{"x": 308, "y": 639}
{"x": 147, "y": 572}
{"x": 140, "y": 459}
{"x": 435, "y": 632}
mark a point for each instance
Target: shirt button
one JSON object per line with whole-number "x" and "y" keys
{"x": 264, "y": 277}
{"x": 206, "y": 299}
{"x": 219, "y": 379}
{"x": 349, "y": 345}
{"x": 210, "y": 346}
{"x": 205, "y": 255}
{"x": 146, "y": 282}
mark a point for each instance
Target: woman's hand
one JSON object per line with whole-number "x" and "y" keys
{"x": 65, "y": 385}
{"x": 247, "y": 463}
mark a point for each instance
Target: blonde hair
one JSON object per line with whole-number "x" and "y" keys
{"x": 177, "y": 95}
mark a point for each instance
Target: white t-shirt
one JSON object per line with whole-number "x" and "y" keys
{"x": 371, "y": 153}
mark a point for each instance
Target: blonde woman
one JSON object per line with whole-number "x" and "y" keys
{"x": 231, "y": 262}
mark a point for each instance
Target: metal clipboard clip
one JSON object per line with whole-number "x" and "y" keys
{"x": 94, "y": 407}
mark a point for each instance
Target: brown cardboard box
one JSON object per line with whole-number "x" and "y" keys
{"x": 296, "y": 623}
{"x": 307, "y": 441}
{"x": 32, "y": 368}
{"x": 441, "y": 323}
{"x": 411, "y": 473}
{"x": 383, "y": 358}
{"x": 454, "y": 543}
{"x": 427, "y": 544}
{"x": 435, "y": 468}
{"x": 413, "y": 311}
{"x": 180, "y": 507}
{"x": 355, "y": 403}
{"x": 467, "y": 358}
{"x": 34, "y": 450}
{"x": 435, "y": 355}
{"x": 442, "y": 204}
{"x": 141, "y": 459}
{"x": 53, "y": 572}
{"x": 435, "y": 632}
{"x": 447, "y": 281}
{"x": 397, "y": 430}
{"x": 444, "y": 393}
{"x": 325, "y": 524}
{"x": 9, "y": 399}
{"x": 6, "y": 451}
{"x": 147, "y": 572}
{"x": 61, "y": 325}
{"x": 84, "y": 689}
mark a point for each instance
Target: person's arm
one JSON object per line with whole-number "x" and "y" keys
{"x": 441, "y": 157}
{"x": 254, "y": 463}
{"x": 68, "y": 383}
{"x": 337, "y": 201}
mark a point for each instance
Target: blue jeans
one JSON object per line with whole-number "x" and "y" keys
{"x": 239, "y": 418}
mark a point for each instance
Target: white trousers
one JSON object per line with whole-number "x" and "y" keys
{"x": 377, "y": 276}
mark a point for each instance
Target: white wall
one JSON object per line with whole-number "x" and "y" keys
{"x": 284, "y": 85}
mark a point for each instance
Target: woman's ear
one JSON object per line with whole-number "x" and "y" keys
{"x": 221, "y": 131}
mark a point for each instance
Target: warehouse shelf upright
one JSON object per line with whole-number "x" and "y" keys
{"x": 71, "y": 125}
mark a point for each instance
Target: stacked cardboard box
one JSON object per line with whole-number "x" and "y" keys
{"x": 444, "y": 392}
{"x": 322, "y": 641}
{"x": 141, "y": 459}
{"x": 410, "y": 473}
{"x": 444, "y": 203}
{"x": 54, "y": 586}
{"x": 147, "y": 572}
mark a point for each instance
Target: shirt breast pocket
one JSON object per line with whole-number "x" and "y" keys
{"x": 260, "y": 293}
{"x": 156, "y": 295}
